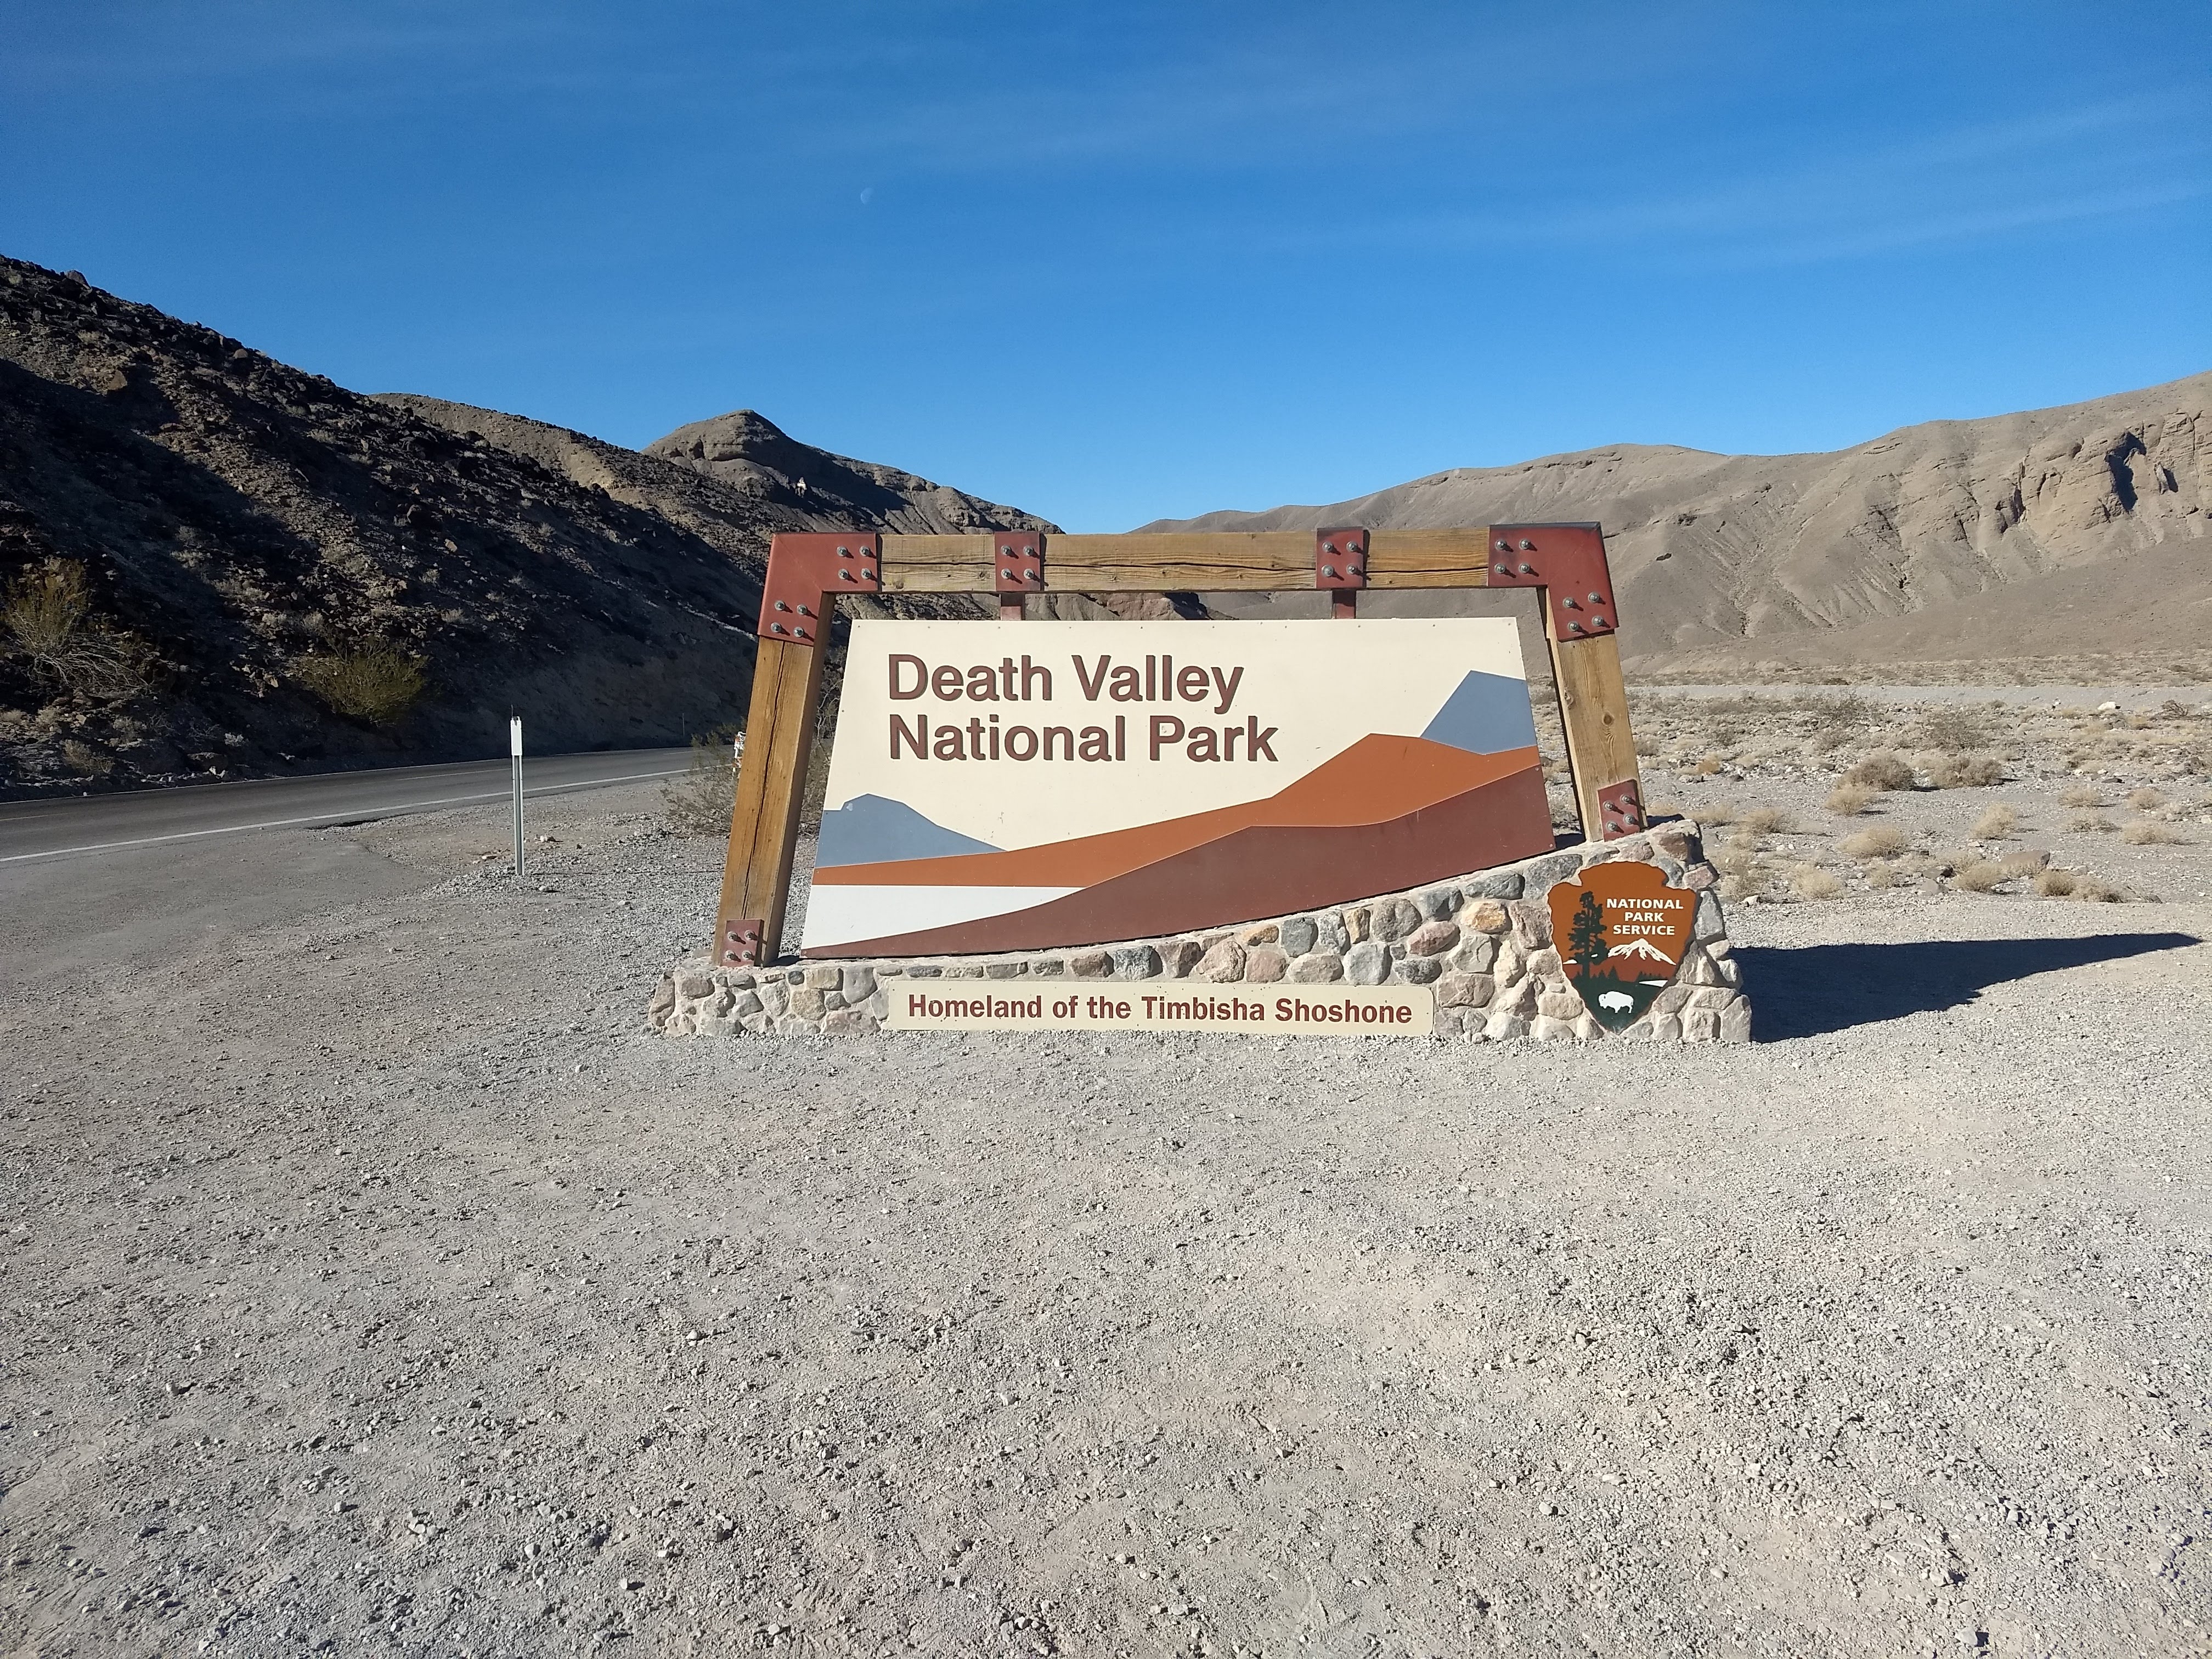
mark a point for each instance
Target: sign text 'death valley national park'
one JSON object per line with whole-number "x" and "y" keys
{"x": 1010, "y": 789}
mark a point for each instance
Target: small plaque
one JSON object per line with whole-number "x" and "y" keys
{"x": 1621, "y": 931}
{"x": 967, "y": 1005}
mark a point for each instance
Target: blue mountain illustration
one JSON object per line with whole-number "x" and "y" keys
{"x": 874, "y": 829}
{"x": 1487, "y": 713}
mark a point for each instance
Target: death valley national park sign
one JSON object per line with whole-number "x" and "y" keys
{"x": 1010, "y": 786}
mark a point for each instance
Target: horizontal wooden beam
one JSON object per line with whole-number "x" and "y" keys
{"x": 1200, "y": 561}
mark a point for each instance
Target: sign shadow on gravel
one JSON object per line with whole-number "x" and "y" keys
{"x": 1816, "y": 989}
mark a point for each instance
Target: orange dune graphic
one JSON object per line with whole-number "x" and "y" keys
{"x": 1378, "y": 779}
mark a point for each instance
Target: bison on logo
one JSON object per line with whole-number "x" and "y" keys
{"x": 1621, "y": 931}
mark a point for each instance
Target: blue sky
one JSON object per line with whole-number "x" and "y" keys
{"x": 1116, "y": 262}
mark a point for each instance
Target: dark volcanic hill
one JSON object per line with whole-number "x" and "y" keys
{"x": 2082, "y": 532}
{"x": 208, "y": 554}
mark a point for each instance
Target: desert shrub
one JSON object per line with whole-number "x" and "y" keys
{"x": 1881, "y": 770}
{"x": 2084, "y": 824}
{"x": 700, "y": 800}
{"x": 1978, "y": 876}
{"x": 1810, "y": 881}
{"x": 2148, "y": 832}
{"x": 2145, "y": 799}
{"x": 1949, "y": 727}
{"x": 1735, "y": 859}
{"x": 2081, "y": 794}
{"x": 1755, "y": 878}
{"x": 1766, "y": 821}
{"x": 2023, "y": 864}
{"x": 2054, "y": 884}
{"x": 86, "y": 761}
{"x": 1848, "y": 799}
{"x": 48, "y": 616}
{"x": 1706, "y": 766}
{"x": 1881, "y": 875}
{"x": 1836, "y": 720}
{"x": 2092, "y": 891}
{"x": 1876, "y": 841}
{"x": 1716, "y": 815}
{"x": 378, "y": 685}
{"x": 1998, "y": 823}
{"x": 1950, "y": 771}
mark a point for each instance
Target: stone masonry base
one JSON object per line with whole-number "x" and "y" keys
{"x": 1484, "y": 941}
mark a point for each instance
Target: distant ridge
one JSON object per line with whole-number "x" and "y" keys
{"x": 236, "y": 520}
{"x": 2036, "y": 534}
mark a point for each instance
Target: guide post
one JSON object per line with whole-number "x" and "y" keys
{"x": 514, "y": 745}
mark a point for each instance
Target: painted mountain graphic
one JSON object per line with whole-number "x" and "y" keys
{"x": 872, "y": 828}
{"x": 1645, "y": 950}
{"x": 1485, "y": 715}
{"x": 1389, "y": 812}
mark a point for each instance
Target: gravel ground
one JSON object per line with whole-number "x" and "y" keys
{"x": 374, "y": 1283}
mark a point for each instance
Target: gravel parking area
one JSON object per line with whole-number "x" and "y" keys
{"x": 375, "y": 1283}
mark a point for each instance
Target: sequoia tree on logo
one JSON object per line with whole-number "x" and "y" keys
{"x": 1621, "y": 933}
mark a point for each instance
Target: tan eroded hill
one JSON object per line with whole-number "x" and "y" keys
{"x": 2059, "y": 532}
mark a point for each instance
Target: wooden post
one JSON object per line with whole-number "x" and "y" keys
{"x": 1601, "y": 752}
{"x": 771, "y": 785}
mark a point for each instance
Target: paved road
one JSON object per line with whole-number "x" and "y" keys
{"x": 113, "y": 882}
{"x": 109, "y": 824}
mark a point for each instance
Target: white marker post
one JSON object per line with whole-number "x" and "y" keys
{"x": 514, "y": 745}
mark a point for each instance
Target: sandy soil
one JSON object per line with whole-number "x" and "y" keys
{"x": 375, "y": 1283}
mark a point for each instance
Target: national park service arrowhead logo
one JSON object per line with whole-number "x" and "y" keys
{"x": 1621, "y": 931}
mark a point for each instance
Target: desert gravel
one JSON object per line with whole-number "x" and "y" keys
{"x": 375, "y": 1283}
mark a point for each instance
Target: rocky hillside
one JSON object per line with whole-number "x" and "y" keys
{"x": 2078, "y": 532}
{"x": 215, "y": 563}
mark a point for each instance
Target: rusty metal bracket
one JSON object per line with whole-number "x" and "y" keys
{"x": 806, "y": 570}
{"x": 1621, "y": 808}
{"x": 1566, "y": 561}
{"x": 1340, "y": 567}
{"x": 1017, "y": 568}
{"x": 740, "y": 944}
{"x": 1340, "y": 557}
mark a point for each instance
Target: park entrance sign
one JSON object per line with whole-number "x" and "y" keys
{"x": 1329, "y": 827}
{"x": 808, "y": 573}
{"x": 997, "y": 789}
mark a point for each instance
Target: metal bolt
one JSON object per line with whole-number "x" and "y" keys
{"x": 1528, "y": 547}
{"x": 1008, "y": 575}
{"x": 776, "y": 628}
{"x": 1574, "y": 627}
{"x": 781, "y": 606}
{"x": 1355, "y": 569}
{"x": 1571, "y": 605}
{"x": 1527, "y": 569}
{"x": 1597, "y": 598}
{"x": 1502, "y": 569}
{"x": 1600, "y": 621}
{"x": 845, "y": 576}
{"x": 1329, "y": 570}
{"x": 1501, "y": 547}
{"x": 844, "y": 552}
{"x": 1328, "y": 547}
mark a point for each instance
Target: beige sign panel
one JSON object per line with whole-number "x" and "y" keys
{"x": 1002, "y": 786}
{"x": 1073, "y": 1006}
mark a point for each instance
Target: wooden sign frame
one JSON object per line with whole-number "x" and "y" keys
{"x": 807, "y": 573}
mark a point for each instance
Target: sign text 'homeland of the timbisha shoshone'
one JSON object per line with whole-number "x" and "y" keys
{"x": 1263, "y": 1011}
{"x": 1000, "y": 786}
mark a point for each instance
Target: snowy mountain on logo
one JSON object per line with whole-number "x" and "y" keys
{"x": 1642, "y": 947}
